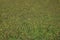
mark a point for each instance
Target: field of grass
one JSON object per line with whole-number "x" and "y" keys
{"x": 29, "y": 19}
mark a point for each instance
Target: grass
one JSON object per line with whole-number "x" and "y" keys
{"x": 29, "y": 20}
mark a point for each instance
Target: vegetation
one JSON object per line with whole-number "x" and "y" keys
{"x": 29, "y": 19}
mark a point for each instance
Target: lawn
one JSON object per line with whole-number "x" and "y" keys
{"x": 29, "y": 19}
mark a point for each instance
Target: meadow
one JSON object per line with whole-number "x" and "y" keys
{"x": 29, "y": 19}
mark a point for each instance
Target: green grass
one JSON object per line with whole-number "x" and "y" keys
{"x": 29, "y": 19}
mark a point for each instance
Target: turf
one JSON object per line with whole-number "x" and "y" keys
{"x": 29, "y": 19}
